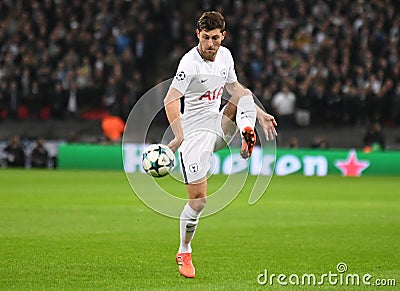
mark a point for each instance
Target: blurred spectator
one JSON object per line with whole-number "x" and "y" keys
{"x": 266, "y": 96}
{"x": 134, "y": 92}
{"x": 293, "y": 143}
{"x": 112, "y": 94}
{"x": 334, "y": 104}
{"x": 319, "y": 142}
{"x": 396, "y": 105}
{"x": 3, "y": 99}
{"x": 122, "y": 39}
{"x": 39, "y": 155}
{"x": 33, "y": 101}
{"x": 73, "y": 101}
{"x": 318, "y": 101}
{"x": 14, "y": 153}
{"x": 14, "y": 99}
{"x": 373, "y": 138}
{"x": 283, "y": 104}
{"x": 25, "y": 83}
{"x": 84, "y": 73}
{"x": 58, "y": 99}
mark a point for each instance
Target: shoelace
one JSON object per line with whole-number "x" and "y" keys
{"x": 186, "y": 260}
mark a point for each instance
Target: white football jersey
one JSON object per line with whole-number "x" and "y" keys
{"x": 202, "y": 83}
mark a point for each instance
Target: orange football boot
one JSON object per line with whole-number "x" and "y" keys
{"x": 185, "y": 265}
{"x": 248, "y": 142}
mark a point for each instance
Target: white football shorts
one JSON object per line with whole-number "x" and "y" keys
{"x": 198, "y": 147}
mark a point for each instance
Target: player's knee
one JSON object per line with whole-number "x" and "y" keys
{"x": 198, "y": 204}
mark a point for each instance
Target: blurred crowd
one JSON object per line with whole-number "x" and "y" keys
{"x": 17, "y": 153}
{"x": 310, "y": 62}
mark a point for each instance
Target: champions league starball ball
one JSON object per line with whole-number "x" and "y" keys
{"x": 158, "y": 160}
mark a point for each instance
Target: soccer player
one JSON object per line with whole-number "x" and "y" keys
{"x": 202, "y": 128}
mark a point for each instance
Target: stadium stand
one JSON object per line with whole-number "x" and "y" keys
{"x": 65, "y": 64}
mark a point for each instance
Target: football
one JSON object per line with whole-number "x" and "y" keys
{"x": 158, "y": 160}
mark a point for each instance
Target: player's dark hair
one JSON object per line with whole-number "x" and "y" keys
{"x": 211, "y": 20}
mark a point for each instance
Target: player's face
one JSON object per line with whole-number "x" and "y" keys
{"x": 210, "y": 41}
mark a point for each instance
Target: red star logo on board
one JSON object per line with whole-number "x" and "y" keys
{"x": 351, "y": 167}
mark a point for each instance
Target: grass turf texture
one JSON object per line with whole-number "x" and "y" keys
{"x": 87, "y": 230}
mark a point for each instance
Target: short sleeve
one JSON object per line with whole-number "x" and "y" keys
{"x": 231, "y": 78}
{"x": 182, "y": 78}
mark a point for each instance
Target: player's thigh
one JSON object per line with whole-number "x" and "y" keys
{"x": 195, "y": 153}
{"x": 229, "y": 111}
{"x": 227, "y": 124}
{"x": 228, "y": 120}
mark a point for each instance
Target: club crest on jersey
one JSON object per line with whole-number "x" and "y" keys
{"x": 224, "y": 74}
{"x": 180, "y": 76}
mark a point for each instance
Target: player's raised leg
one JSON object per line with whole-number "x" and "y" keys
{"x": 242, "y": 110}
{"x": 189, "y": 220}
{"x": 245, "y": 119}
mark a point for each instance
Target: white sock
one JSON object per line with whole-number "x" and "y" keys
{"x": 246, "y": 112}
{"x": 188, "y": 224}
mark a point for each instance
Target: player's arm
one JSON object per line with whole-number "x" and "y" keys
{"x": 172, "y": 109}
{"x": 267, "y": 121}
{"x": 236, "y": 90}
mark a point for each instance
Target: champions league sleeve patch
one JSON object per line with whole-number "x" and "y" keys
{"x": 180, "y": 76}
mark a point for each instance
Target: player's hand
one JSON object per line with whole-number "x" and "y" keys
{"x": 268, "y": 124}
{"x": 175, "y": 143}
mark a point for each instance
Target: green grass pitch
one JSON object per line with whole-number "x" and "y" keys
{"x": 69, "y": 230}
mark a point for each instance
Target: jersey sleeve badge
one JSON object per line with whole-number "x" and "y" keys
{"x": 180, "y": 76}
{"x": 224, "y": 74}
